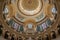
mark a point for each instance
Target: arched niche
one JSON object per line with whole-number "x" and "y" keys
{"x": 6, "y": 35}
{"x": 53, "y": 34}
{"x": 46, "y": 36}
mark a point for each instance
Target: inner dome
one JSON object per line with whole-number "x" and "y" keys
{"x": 29, "y": 7}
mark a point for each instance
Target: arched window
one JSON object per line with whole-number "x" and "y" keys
{"x": 10, "y": 22}
{"x": 20, "y": 28}
{"x": 15, "y": 26}
{"x": 30, "y": 25}
{"x": 39, "y": 28}
{"x": 5, "y": 10}
{"x": 48, "y": 22}
{"x": 54, "y": 10}
{"x": 44, "y": 26}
